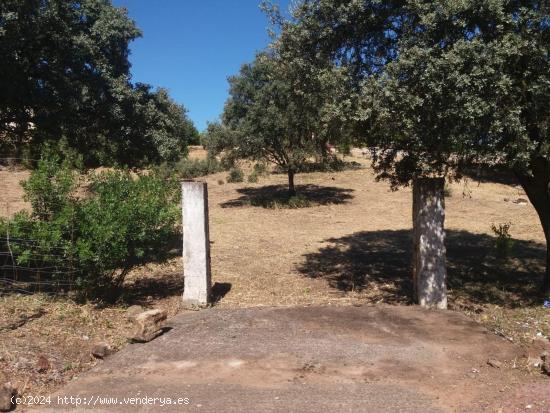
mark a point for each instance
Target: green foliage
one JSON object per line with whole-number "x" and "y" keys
{"x": 298, "y": 201}
{"x": 235, "y": 175}
{"x": 74, "y": 85}
{"x": 438, "y": 86}
{"x": 452, "y": 82}
{"x": 191, "y": 168}
{"x": 331, "y": 164}
{"x": 344, "y": 148}
{"x": 253, "y": 177}
{"x": 158, "y": 129}
{"x": 260, "y": 169}
{"x": 50, "y": 187}
{"x": 270, "y": 116}
{"x": 125, "y": 221}
{"x": 504, "y": 242}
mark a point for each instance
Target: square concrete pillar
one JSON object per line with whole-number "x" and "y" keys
{"x": 429, "y": 254}
{"x": 196, "y": 244}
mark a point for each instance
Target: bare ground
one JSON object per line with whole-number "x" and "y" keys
{"x": 350, "y": 248}
{"x": 332, "y": 358}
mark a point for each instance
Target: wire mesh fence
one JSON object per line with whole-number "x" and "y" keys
{"x": 28, "y": 265}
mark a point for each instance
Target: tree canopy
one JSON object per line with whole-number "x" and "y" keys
{"x": 65, "y": 75}
{"x": 440, "y": 85}
{"x": 272, "y": 115}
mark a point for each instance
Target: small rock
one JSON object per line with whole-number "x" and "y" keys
{"x": 7, "y": 391}
{"x": 101, "y": 350}
{"x": 148, "y": 325}
{"x": 133, "y": 311}
{"x": 494, "y": 363}
{"x": 506, "y": 199}
{"x": 43, "y": 364}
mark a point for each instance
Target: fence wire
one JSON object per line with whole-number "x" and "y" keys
{"x": 27, "y": 265}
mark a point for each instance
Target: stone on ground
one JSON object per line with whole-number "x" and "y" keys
{"x": 148, "y": 325}
{"x": 101, "y": 350}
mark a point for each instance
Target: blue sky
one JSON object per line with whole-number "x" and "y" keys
{"x": 190, "y": 47}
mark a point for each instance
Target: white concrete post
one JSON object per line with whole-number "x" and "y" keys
{"x": 196, "y": 244}
{"x": 429, "y": 255}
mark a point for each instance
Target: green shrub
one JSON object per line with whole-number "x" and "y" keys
{"x": 503, "y": 242}
{"x": 42, "y": 238}
{"x": 253, "y": 177}
{"x": 260, "y": 169}
{"x": 50, "y": 187}
{"x": 344, "y": 148}
{"x": 191, "y": 168}
{"x": 235, "y": 175}
{"x": 298, "y": 201}
{"x": 125, "y": 221}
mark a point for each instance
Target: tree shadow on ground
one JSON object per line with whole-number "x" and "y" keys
{"x": 378, "y": 264}
{"x": 273, "y": 196}
{"x": 144, "y": 289}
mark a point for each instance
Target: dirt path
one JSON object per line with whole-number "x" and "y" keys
{"x": 341, "y": 359}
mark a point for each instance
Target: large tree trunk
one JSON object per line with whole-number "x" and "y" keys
{"x": 429, "y": 255}
{"x": 291, "y": 188}
{"x": 537, "y": 188}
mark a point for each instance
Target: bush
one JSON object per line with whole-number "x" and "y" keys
{"x": 42, "y": 239}
{"x": 504, "y": 242}
{"x": 50, "y": 186}
{"x": 235, "y": 175}
{"x": 253, "y": 177}
{"x": 260, "y": 169}
{"x": 298, "y": 201}
{"x": 126, "y": 221}
{"x": 191, "y": 168}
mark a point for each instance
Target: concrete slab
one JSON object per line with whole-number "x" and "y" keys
{"x": 333, "y": 359}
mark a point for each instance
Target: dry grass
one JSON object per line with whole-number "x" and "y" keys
{"x": 352, "y": 246}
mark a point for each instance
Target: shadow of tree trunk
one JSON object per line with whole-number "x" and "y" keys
{"x": 381, "y": 261}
